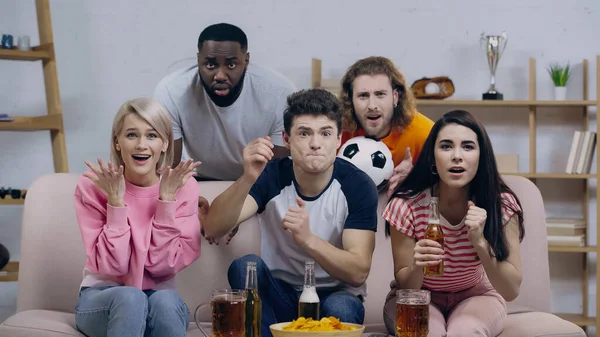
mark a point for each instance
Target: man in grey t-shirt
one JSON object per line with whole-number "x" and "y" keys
{"x": 223, "y": 103}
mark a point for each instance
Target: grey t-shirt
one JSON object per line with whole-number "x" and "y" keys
{"x": 217, "y": 136}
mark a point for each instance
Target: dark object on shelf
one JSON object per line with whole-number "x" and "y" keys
{"x": 13, "y": 193}
{"x": 4, "y": 256}
{"x": 7, "y": 41}
{"x": 6, "y": 118}
{"x": 493, "y": 96}
{"x": 445, "y": 87}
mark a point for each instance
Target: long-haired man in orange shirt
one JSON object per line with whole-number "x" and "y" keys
{"x": 377, "y": 103}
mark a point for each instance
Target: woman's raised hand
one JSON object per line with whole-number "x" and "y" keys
{"x": 110, "y": 180}
{"x": 174, "y": 178}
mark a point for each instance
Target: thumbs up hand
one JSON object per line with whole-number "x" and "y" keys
{"x": 296, "y": 221}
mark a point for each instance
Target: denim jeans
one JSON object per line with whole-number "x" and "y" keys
{"x": 280, "y": 299}
{"x": 128, "y": 311}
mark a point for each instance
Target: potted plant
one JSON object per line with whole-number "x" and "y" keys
{"x": 560, "y": 76}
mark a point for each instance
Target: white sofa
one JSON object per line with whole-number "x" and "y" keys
{"x": 52, "y": 259}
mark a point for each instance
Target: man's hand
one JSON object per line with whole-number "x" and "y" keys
{"x": 296, "y": 220}
{"x": 231, "y": 234}
{"x": 203, "y": 207}
{"x": 256, "y": 155}
{"x": 400, "y": 172}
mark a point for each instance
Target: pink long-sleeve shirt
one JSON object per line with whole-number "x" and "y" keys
{"x": 143, "y": 244}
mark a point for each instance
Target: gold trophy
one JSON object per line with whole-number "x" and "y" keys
{"x": 493, "y": 46}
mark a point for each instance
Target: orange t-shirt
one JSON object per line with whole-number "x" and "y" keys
{"x": 413, "y": 135}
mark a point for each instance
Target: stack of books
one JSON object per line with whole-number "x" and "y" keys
{"x": 566, "y": 232}
{"x": 582, "y": 152}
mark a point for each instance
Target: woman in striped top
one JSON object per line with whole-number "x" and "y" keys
{"x": 482, "y": 223}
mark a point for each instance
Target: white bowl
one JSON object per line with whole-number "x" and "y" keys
{"x": 277, "y": 331}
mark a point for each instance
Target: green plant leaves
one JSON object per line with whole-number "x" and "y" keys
{"x": 560, "y": 74}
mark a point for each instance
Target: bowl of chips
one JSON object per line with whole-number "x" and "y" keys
{"x": 325, "y": 327}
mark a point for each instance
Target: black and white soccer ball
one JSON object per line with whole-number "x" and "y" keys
{"x": 370, "y": 155}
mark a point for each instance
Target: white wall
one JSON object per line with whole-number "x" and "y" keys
{"x": 108, "y": 54}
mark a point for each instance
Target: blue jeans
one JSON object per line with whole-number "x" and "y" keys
{"x": 128, "y": 311}
{"x": 280, "y": 299}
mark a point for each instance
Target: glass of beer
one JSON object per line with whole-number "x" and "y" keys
{"x": 228, "y": 313}
{"x": 412, "y": 317}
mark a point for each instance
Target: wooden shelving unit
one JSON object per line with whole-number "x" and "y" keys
{"x": 584, "y": 319}
{"x": 53, "y": 119}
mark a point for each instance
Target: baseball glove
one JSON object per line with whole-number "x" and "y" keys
{"x": 445, "y": 88}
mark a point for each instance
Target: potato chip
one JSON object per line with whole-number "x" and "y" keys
{"x": 325, "y": 324}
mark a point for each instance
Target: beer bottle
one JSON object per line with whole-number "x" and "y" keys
{"x": 308, "y": 305}
{"x": 434, "y": 232}
{"x": 253, "y": 302}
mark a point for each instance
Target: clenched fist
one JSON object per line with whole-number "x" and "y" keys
{"x": 256, "y": 155}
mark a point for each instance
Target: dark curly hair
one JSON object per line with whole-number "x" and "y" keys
{"x": 317, "y": 102}
{"x": 377, "y": 65}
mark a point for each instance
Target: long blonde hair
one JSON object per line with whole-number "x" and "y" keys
{"x": 157, "y": 116}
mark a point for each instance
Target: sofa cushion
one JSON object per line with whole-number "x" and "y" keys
{"x": 47, "y": 323}
{"x": 539, "y": 324}
{"x": 40, "y": 323}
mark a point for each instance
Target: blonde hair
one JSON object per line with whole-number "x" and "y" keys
{"x": 376, "y": 65}
{"x": 157, "y": 116}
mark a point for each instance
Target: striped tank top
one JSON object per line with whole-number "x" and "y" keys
{"x": 462, "y": 268}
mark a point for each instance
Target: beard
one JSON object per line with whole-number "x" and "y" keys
{"x": 379, "y": 131}
{"x": 230, "y": 98}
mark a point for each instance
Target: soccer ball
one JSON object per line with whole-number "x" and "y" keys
{"x": 370, "y": 155}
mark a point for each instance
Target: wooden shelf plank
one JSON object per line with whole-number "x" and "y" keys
{"x": 10, "y": 272}
{"x": 552, "y": 175}
{"x": 48, "y": 122}
{"x": 507, "y": 103}
{"x": 567, "y": 249}
{"x": 578, "y": 319}
{"x": 332, "y": 86}
{"x": 482, "y": 103}
{"x": 36, "y": 54}
{"x": 10, "y": 201}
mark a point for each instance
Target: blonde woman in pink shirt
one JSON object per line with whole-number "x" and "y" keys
{"x": 139, "y": 223}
